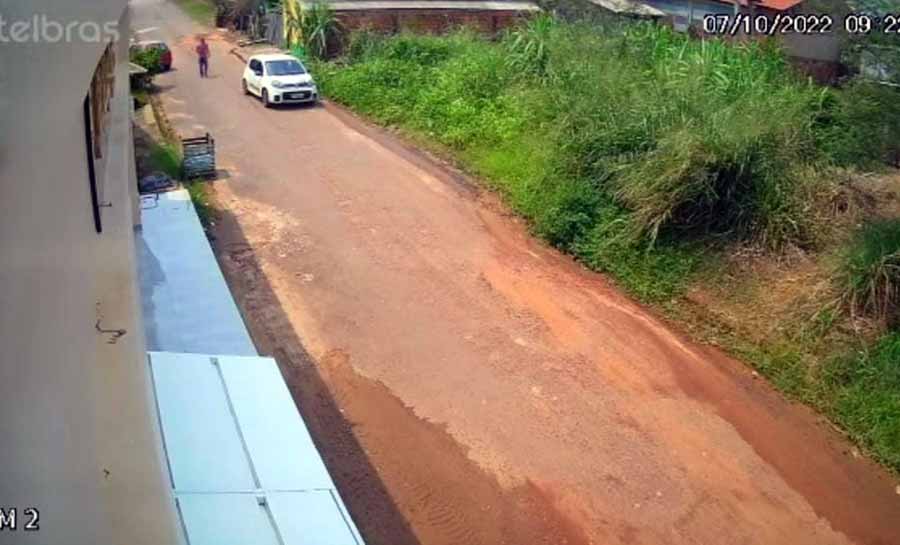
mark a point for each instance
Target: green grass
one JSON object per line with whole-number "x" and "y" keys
{"x": 141, "y": 97}
{"x": 166, "y": 158}
{"x": 862, "y": 394}
{"x": 870, "y": 272}
{"x": 201, "y": 11}
{"x": 200, "y": 198}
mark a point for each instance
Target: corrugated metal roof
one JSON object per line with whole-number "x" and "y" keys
{"x": 244, "y": 468}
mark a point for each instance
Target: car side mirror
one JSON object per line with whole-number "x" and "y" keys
{"x": 258, "y": 73}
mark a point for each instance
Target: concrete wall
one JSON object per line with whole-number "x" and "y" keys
{"x": 813, "y": 47}
{"x": 78, "y": 437}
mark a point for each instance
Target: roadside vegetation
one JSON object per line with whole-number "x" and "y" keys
{"x": 312, "y": 30}
{"x": 657, "y": 159}
{"x": 150, "y": 59}
{"x": 871, "y": 272}
{"x": 164, "y": 153}
{"x": 166, "y": 157}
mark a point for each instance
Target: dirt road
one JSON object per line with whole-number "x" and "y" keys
{"x": 469, "y": 385}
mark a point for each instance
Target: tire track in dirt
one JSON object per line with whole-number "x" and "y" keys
{"x": 406, "y": 481}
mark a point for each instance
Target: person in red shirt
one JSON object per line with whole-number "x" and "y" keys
{"x": 203, "y": 53}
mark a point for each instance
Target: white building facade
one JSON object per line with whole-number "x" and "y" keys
{"x": 79, "y": 434}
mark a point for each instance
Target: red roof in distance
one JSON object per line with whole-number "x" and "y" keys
{"x": 777, "y": 5}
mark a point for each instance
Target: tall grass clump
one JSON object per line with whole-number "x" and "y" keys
{"x": 870, "y": 272}
{"x": 689, "y": 136}
{"x": 861, "y": 125}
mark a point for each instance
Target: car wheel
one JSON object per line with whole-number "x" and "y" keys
{"x": 244, "y": 87}
{"x": 265, "y": 99}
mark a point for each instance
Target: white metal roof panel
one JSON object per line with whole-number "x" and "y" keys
{"x": 201, "y": 437}
{"x": 226, "y": 519}
{"x": 281, "y": 448}
{"x": 187, "y": 305}
{"x": 276, "y": 518}
{"x": 311, "y": 518}
{"x": 244, "y": 467}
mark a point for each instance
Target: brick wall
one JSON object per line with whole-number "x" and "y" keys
{"x": 428, "y": 20}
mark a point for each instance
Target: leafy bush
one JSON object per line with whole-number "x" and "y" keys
{"x": 150, "y": 59}
{"x": 871, "y": 271}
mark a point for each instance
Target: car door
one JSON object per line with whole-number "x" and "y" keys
{"x": 254, "y": 77}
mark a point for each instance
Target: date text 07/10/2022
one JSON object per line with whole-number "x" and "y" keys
{"x": 810, "y": 24}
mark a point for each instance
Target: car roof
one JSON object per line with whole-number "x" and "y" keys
{"x": 273, "y": 57}
{"x": 149, "y": 43}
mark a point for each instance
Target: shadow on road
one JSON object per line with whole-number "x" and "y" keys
{"x": 373, "y": 509}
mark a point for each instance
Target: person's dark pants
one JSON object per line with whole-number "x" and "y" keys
{"x": 204, "y": 68}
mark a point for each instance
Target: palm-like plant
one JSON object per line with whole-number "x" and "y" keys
{"x": 312, "y": 27}
{"x": 528, "y": 46}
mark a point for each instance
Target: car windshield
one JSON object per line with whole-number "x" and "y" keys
{"x": 285, "y": 68}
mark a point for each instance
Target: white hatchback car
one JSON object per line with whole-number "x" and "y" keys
{"x": 279, "y": 79}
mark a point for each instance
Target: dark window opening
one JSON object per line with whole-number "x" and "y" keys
{"x": 92, "y": 169}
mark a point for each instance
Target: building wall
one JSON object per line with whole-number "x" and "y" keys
{"x": 78, "y": 434}
{"x": 813, "y": 47}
